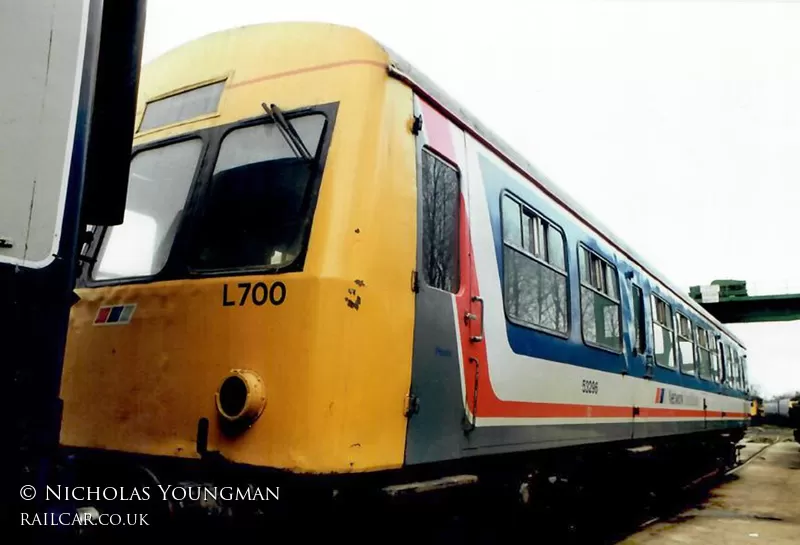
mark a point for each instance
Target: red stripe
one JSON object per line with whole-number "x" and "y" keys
{"x": 307, "y": 69}
{"x": 489, "y": 405}
{"x": 102, "y": 316}
{"x": 645, "y": 412}
{"x": 474, "y": 353}
{"x": 492, "y": 407}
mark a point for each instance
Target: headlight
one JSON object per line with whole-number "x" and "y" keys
{"x": 241, "y": 397}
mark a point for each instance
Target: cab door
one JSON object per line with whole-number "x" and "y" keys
{"x": 446, "y": 316}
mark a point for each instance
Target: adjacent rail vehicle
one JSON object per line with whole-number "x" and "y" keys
{"x": 328, "y": 269}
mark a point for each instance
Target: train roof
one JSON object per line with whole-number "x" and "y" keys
{"x": 400, "y": 68}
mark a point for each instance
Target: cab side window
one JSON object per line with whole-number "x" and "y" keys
{"x": 441, "y": 205}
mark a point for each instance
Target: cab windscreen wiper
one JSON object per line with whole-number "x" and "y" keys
{"x": 287, "y": 130}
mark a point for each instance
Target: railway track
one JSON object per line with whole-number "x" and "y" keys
{"x": 697, "y": 489}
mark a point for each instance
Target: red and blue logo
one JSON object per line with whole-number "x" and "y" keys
{"x": 114, "y": 315}
{"x": 660, "y": 395}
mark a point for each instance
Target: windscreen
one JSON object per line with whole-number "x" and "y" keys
{"x": 159, "y": 184}
{"x": 256, "y": 210}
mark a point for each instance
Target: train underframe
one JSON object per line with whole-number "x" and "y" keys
{"x": 209, "y": 494}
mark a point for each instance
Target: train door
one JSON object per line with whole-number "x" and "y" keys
{"x": 445, "y": 313}
{"x": 641, "y": 354}
{"x": 640, "y": 360}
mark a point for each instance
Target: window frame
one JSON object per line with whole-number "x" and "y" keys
{"x": 618, "y": 301}
{"x": 664, "y": 325}
{"x": 543, "y": 218}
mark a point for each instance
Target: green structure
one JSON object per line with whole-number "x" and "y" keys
{"x": 728, "y": 302}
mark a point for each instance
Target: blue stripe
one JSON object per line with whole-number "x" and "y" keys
{"x": 573, "y": 351}
{"x": 116, "y": 312}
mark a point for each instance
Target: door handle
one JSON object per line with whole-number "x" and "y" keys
{"x": 478, "y": 338}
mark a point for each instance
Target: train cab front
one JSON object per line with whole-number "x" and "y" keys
{"x": 223, "y": 319}
{"x": 197, "y": 306}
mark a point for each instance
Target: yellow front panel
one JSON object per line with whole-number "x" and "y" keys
{"x": 336, "y": 373}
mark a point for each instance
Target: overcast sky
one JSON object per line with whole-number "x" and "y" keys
{"x": 676, "y": 122}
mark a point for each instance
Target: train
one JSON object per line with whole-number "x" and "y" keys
{"x": 757, "y": 411}
{"x": 784, "y": 411}
{"x": 331, "y": 273}
{"x": 794, "y": 417}
{"x": 778, "y": 407}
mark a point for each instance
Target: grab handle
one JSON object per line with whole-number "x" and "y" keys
{"x": 478, "y": 338}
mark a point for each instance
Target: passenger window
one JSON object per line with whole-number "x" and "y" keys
{"x": 686, "y": 344}
{"x": 441, "y": 204}
{"x": 731, "y": 370}
{"x": 716, "y": 367}
{"x": 512, "y": 222}
{"x": 740, "y": 372}
{"x": 743, "y": 373}
{"x": 737, "y": 362}
{"x": 600, "y": 307}
{"x": 534, "y": 270}
{"x": 706, "y": 367}
{"x": 662, "y": 332}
